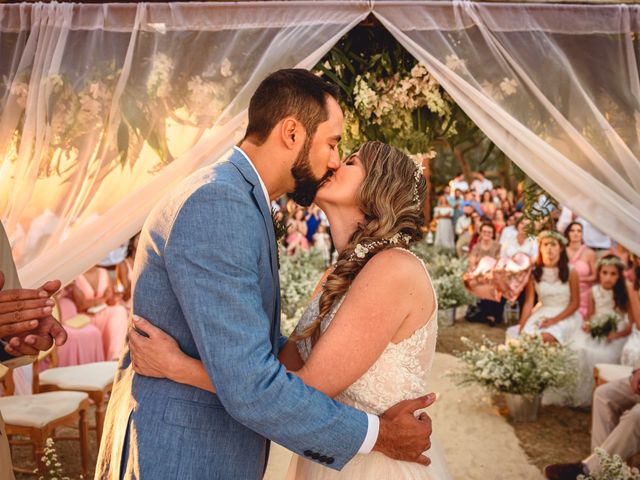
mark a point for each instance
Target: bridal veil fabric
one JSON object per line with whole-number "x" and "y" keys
{"x": 104, "y": 108}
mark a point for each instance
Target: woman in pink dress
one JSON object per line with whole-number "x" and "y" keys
{"x": 297, "y": 233}
{"x": 84, "y": 344}
{"x": 583, "y": 260}
{"x": 93, "y": 294}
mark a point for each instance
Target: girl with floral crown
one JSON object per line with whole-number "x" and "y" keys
{"x": 606, "y": 327}
{"x": 556, "y": 315}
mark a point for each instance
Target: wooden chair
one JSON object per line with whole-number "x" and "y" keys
{"x": 37, "y": 417}
{"x": 609, "y": 372}
{"x": 94, "y": 379}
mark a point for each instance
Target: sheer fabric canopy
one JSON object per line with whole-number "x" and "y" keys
{"x": 555, "y": 87}
{"x": 104, "y": 108}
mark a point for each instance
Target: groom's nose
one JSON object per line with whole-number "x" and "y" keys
{"x": 334, "y": 163}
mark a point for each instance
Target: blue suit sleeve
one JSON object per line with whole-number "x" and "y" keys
{"x": 212, "y": 256}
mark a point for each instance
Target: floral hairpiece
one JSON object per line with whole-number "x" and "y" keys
{"x": 553, "y": 234}
{"x": 416, "y": 175}
{"x": 614, "y": 260}
{"x": 361, "y": 251}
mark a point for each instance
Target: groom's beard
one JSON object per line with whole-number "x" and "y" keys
{"x": 306, "y": 185}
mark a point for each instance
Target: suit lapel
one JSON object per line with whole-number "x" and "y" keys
{"x": 242, "y": 164}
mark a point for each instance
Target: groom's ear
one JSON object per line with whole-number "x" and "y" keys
{"x": 291, "y": 134}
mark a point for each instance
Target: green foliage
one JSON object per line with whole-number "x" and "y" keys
{"x": 446, "y": 272}
{"x": 299, "y": 274}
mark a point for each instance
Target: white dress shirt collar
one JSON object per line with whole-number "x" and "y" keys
{"x": 264, "y": 187}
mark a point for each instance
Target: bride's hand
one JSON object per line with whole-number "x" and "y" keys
{"x": 154, "y": 355}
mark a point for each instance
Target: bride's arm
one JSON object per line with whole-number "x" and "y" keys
{"x": 372, "y": 315}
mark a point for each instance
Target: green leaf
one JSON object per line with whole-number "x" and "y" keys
{"x": 123, "y": 143}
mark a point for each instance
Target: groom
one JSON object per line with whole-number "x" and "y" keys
{"x": 206, "y": 273}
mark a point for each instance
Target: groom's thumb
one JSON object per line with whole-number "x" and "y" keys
{"x": 410, "y": 406}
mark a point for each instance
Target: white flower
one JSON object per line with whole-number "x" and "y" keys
{"x": 492, "y": 91}
{"x": 159, "y": 76}
{"x": 453, "y": 62}
{"x": 508, "y": 86}
{"x": 20, "y": 91}
{"x": 361, "y": 251}
{"x": 225, "y": 69}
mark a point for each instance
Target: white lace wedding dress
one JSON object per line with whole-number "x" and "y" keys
{"x": 400, "y": 373}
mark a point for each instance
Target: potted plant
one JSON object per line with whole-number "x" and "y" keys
{"x": 520, "y": 369}
{"x": 451, "y": 295}
{"x": 612, "y": 468}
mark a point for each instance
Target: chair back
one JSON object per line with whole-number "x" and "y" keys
{"x": 6, "y": 382}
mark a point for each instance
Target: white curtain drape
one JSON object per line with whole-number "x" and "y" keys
{"x": 556, "y": 87}
{"x": 103, "y": 108}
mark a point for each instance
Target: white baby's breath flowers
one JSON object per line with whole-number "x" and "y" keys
{"x": 225, "y": 68}
{"x": 508, "y": 86}
{"x": 453, "y": 62}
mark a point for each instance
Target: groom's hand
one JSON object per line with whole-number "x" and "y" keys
{"x": 402, "y": 436}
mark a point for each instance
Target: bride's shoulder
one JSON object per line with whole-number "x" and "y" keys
{"x": 400, "y": 263}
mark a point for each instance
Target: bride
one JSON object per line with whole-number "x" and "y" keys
{"x": 368, "y": 336}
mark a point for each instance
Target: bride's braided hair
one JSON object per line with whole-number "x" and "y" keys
{"x": 392, "y": 197}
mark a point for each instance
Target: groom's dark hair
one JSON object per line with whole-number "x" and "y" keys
{"x": 292, "y": 92}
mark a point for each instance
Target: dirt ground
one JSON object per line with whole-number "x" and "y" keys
{"x": 560, "y": 434}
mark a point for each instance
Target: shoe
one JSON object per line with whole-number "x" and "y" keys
{"x": 564, "y": 471}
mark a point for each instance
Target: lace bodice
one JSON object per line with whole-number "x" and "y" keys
{"x": 552, "y": 292}
{"x": 400, "y": 373}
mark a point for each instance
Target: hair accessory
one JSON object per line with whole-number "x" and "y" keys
{"x": 613, "y": 260}
{"x": 361, "y": 251}
{"x": 417, "y": 174}
{"x": 553, "y": 234}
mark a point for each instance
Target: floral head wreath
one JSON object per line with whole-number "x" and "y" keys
{"x": 614, "y": 260}
{"x": 362, "y": 250}
{"x": 553, "y": 234}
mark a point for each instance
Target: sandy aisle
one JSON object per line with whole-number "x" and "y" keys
{"x": 478, "y": 443}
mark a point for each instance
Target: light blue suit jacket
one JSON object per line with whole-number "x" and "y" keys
{"x": 207, "y": 274}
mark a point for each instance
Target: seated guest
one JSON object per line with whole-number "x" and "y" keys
{"x": 487, "y": 206}
{"x": 476, "y": 221}
{"x": 615, "y": 427}
{"x": 556, "y": 315}
{"x": 486, "y": 310}
{"x": 611, "y": 295}
{"x": 84, "y": 342}
{"x": 463, "y": 230}
{"x": 499, "y": 222}
{"x": 94, "y": 295}
{"x": 521, "y": 243}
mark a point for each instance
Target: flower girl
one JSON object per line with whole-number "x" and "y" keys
{"x": 556, "y": 315}
{"x": 606, "y": 327}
